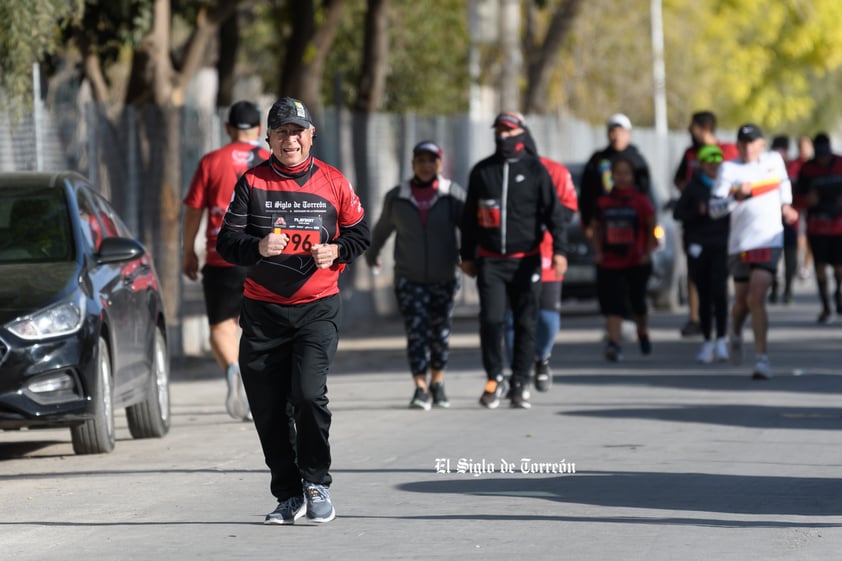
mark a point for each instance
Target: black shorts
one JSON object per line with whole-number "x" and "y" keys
{"x": 223, "y": 288}
{"x": 619, "y": 290}
{"x": 741, "y": 264}
{"x": 826, "y": 249}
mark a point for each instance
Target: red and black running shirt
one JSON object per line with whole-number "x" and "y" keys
{"x": 315, "y": 206}
{"x": 213, "y": 184}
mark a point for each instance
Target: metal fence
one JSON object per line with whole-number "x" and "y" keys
{"x": 374, "y": 151}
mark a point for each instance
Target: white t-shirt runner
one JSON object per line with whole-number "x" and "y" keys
{"x": 755, "y": 222}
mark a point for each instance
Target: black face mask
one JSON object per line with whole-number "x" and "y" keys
{"x": 511, "y": 147}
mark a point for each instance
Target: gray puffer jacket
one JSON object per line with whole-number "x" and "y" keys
{"x": 424, "y": 253}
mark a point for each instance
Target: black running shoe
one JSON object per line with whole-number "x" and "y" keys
{"x": 490, "y": 397}
{"x": 613, "y": 352}
{"x": 420, "y": 400}
{"x": 645, "y": 343}
{"x": 543, "y": 375}
{"x": 439, "y": 398}
{"x": 520, "y": 398}
{"x": 691, "y": 328}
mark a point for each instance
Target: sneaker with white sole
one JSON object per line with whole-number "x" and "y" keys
{"x": 319, "y": 507}
{"x": 490, "y": 397}
{"x": 438, "y": 395}
{"x": 236, "y": 403}
{"x": 762, "y": 368}
{"x": 288, "y": 511}
{"x": 735, "y": 349}
{"x": 721, "y": 350}
{"x": 421, "y": 400}
{"x": 705, "y": 355}
{"x": 543, "y": 375}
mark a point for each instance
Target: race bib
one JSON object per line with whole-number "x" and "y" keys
{"x": 488, "y": 213}
{"x": 761, "y": 255}
{"x": 304, "y": 232}
{"x": 619, "y": 233}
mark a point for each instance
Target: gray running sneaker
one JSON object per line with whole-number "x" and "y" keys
{"x": 287, "y": 512}
{"x": 236, "y": 403}
{"x": 319, "y": 507}
{"x": 762, "y": 369}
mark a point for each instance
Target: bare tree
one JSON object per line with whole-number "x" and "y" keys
{"x": 543, "y": 57}
{"x": 306, "y": 49}
{"x": 375, "y": 57}
{"x": 157, "y": 82}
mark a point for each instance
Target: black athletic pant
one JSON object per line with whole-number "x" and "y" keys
{"x": 709, "y": 272}
{"x": 285, "y": 354}
{"x": 519, "y": 281}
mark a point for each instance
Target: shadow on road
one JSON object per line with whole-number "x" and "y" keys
{"x": 739, "y": 415}
{"x": 697, "y": 492}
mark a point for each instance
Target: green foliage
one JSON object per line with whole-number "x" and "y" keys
{"x": 607, "y": 62}
{"x": 765, "y": 61}
{"x": 429, "y": 48}
{"x": 773, "y": 51}
{"x": 31, "y": 31}
{"x": 428, "y": 57}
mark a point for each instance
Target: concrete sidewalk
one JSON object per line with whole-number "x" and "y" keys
{"x": 673, "y": 460}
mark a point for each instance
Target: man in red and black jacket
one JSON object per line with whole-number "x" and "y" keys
{"x": 222, "y": 283}
{"x": 295, "y": 222}
{"x": 819, "y": 192}
{"x": 511, "y": 201}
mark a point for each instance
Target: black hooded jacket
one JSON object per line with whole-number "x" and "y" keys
{"x": 593, "y": 185}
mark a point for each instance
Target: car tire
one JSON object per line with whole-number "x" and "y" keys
{"x": 151, "y": 417}
{"x": 96, "y": 435}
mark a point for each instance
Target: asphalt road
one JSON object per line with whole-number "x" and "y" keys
{"x": 672, "y": 459}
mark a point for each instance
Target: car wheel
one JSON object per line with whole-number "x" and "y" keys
{"x": 151, "y": 417}
{"x": 96, "y": 436}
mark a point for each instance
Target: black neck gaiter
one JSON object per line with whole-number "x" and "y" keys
{"x": 511, "y": 147}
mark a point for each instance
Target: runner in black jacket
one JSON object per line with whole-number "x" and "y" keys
{"x": 511, "y": 201}
{"x": 596, "y": 177}
{"x": 706, "y": 242}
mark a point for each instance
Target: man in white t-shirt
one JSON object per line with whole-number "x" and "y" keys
{"x": 759, "y": 189}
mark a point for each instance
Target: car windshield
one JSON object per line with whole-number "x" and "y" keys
{"x": 34, "y": 226}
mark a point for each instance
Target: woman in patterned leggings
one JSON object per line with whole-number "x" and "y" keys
{"x": 424, "y": 213}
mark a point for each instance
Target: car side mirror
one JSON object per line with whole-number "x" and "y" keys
{"x": 114, "y": 250}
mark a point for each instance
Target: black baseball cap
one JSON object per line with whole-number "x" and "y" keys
{"x": 244, "y": 115}
{"x": 749, "y": 132}
{"x": 427, "y": 146}
{"x": 821, "y": 145}
{"x": 288, "y": 110}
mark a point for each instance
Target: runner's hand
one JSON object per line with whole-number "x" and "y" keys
{"x": 273, "y": 244}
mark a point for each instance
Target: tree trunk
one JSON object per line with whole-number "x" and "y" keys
{"x": 229, "y": 42}
{"x": 541, "y": 59}
{"x": 306, "y": 51}
{"x": 375, "y": 57}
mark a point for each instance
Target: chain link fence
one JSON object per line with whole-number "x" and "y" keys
{"x": 114, "y": 148}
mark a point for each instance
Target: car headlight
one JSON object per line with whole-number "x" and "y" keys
{"x": 62, "y": 318}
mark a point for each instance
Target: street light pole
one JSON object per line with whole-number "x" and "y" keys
{"x": 659, "y": 88}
